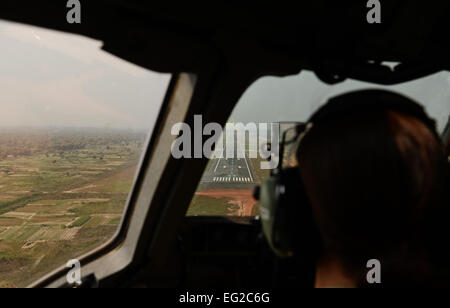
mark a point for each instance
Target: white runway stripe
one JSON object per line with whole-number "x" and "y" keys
{"x": 236, "y": 179}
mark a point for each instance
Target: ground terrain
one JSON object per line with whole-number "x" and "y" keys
{"x": 62, "y": 193}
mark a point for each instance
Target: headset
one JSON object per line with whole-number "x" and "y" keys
{"x": 285, "y": 211}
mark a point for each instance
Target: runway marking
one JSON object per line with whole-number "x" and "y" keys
{"x": 230, "y": 179}
{"x": 217, "y": 165}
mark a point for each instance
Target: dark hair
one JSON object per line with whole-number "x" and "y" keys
{"x": 377, "y": 180}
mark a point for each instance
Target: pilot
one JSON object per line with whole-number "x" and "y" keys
{"x": 376, "y": 177}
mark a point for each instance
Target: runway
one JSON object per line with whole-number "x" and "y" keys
{"x": 222, "y": 172}
{"x": 231, "y": 170}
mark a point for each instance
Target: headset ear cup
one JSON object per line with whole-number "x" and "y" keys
{"x": 268, "y": 206}
{"x": 286, "y": 216}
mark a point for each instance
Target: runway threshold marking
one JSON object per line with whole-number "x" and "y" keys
{"x": 232, "y": 179}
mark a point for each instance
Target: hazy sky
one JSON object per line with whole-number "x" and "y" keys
{"x": 49, "y": 78}
{"x": 295, "y": 98}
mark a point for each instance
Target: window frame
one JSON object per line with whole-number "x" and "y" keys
{"x": 216, "y": 92}
{"x": 117, "y": 253}
{"x": 446, "y": 134}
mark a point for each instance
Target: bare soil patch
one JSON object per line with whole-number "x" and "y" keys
{"x": 242, "y": 198}
{"x": 70, "y": 234}
{"x": 20, "y": 215}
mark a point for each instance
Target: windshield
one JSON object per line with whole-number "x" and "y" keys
{"x": 226, "y": 188}
{"x": 74, "y": 122}
{"x": 297, "y": 97}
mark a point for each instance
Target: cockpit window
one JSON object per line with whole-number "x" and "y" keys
{"x": 225, "y": 190}
{"x": 74, "y": 122}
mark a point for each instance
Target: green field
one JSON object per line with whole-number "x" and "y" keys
{"x": 208, "y": 206}
{"x": 62, "y": 193}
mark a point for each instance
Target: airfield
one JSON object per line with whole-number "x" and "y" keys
{"x": 226, "y": 188}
